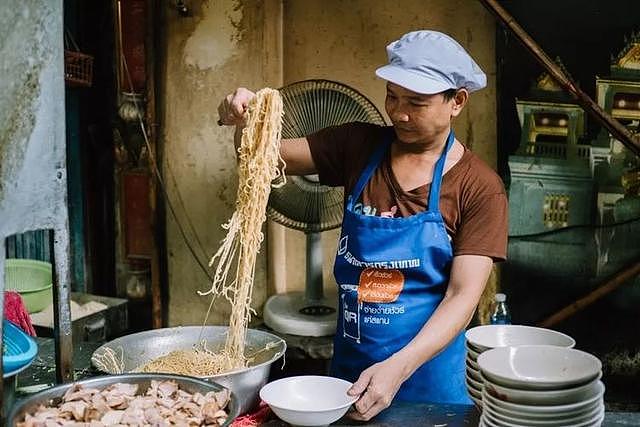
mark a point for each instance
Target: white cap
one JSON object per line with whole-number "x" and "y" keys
{"x": 431, "y": 62}
{"x": 501, "y": 297}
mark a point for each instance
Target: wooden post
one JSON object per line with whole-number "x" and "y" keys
{"x": 620, "y": 132}
{"x": 156, "y": 289}
{"x": 603, "y": 289}
{"x": 62, "y": 328}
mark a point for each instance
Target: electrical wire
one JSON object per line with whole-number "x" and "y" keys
{"x": 201, "y": 264}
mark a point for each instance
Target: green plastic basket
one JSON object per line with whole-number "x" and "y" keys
{"x": 32, "y": 280}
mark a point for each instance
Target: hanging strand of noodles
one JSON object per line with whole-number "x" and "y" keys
{"x": 259, "y": 166}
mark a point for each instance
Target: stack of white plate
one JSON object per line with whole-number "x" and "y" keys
{"x": 483, "y": 338}
{"x": 541, "y": 385}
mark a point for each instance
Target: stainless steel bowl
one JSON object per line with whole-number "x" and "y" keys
{"x": 10, "y": 384}
{"x": 142, "y": 347}
{"x": 53, "y": 395}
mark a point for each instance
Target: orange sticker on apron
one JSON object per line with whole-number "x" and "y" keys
{"x": 379, "y": 285}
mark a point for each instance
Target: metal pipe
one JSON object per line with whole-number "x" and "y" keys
{"x": 616, "y": 129}
{"x": 157, "y": 320}
{"x": 313, "y": 285}
{"x": 62, "y": 328}
{"x": 603, "y": 289}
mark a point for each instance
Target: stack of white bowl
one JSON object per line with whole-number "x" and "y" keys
{"x": 483, "y": 338}
{"x": 473, "y": 376}
{"x": 541, "y": 385}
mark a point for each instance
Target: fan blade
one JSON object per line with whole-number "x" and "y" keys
{"x": 303, "y": 203}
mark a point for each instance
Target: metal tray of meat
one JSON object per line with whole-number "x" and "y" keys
{"x": 53, "y": 396}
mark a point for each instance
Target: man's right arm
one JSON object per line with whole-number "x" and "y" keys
{"x": 295, "y": 152}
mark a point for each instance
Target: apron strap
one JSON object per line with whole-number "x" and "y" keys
{"x": 376, "y": 158}
{"x": 374, "y": 161}
{"x": 434, "y": 190}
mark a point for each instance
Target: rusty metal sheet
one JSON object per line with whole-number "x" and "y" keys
{"x": 133, "y": 25}
{"x": 136, "y": 215}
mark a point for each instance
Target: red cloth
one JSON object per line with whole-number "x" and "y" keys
{"x": 254, "y": 419}
{"x": 16, "y": 313}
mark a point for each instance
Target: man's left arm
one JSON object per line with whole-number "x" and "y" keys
{"x": 379, "y": 383}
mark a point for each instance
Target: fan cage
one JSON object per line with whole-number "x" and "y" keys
{"x": 310, "y": 105}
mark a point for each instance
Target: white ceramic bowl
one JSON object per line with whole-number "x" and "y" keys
{"x": 470, "y": 346}
{"x": 544, "y": 416}
{"x": 474, "y": 393}
{"x": 308, "y": 400}
{"x": 486, "y": 337}
{"x": 580, "y": 421}
{"x": 473, "y": 364}
{"x": 472, "y": 354}
{"x": 473, "y": 383}
{"x": 473, "y": 374}
{"x": 538, "y": 367}
{"x": 520, "y": 420}
{"x": 477, "y": 392}
{"x": 543, "y": 397}
{"x": 478, "y": 402}
{"x": 544, "y": 411}
{"x": 485, "y": 423}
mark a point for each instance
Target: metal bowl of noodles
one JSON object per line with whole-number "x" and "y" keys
{"x": 54, "y": 396}
{"x": 128, "y": 353}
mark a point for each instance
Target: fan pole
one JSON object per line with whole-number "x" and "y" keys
{"x": 313, "y": 288}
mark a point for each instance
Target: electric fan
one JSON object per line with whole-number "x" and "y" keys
{"x": 304, "y": 204}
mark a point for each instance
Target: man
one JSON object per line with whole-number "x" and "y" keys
{"x": 424, "y": 220}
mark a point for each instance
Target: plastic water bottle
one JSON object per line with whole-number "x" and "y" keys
{"x": 501, "y": 315}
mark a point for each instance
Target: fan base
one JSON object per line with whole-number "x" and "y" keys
{"x": 284, "y": 313}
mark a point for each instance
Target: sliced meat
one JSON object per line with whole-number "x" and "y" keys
{"x": 167, "y": 388}
{"x": 77, "y": 392}
{"x": 164, "y": 404}
{"x": 76, "y": 408}
{"x": 198, "y": 398}
{"x": 222, "y": 397}
{"x": 209, "y": 411}
{"x": 123, "y": 389}
{"x": 134, "y": 417}
{"x": 111, "y": 418}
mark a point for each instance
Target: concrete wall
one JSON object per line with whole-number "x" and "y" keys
{"x": 223, "y": 46}
{"x": 230, "y": 43}
{"x": 33, "y": 176}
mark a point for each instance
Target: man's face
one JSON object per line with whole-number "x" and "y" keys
{"x": 419, "y": 118}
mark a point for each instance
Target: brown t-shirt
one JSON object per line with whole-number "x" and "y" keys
{"x": 473, "y": 202}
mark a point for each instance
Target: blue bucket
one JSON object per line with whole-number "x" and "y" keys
{"x": 19, "y": 349}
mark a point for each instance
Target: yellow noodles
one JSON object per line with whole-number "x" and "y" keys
{"x": 109, "y": 360}
{"x": 259, "y": 164}
{"x": 197, "y": 362}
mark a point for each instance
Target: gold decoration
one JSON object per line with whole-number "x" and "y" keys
{"x": 547, "y": 83}
{"x": 629, "y": 56}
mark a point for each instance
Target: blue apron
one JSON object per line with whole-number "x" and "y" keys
{"x": 392, "y": 273}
